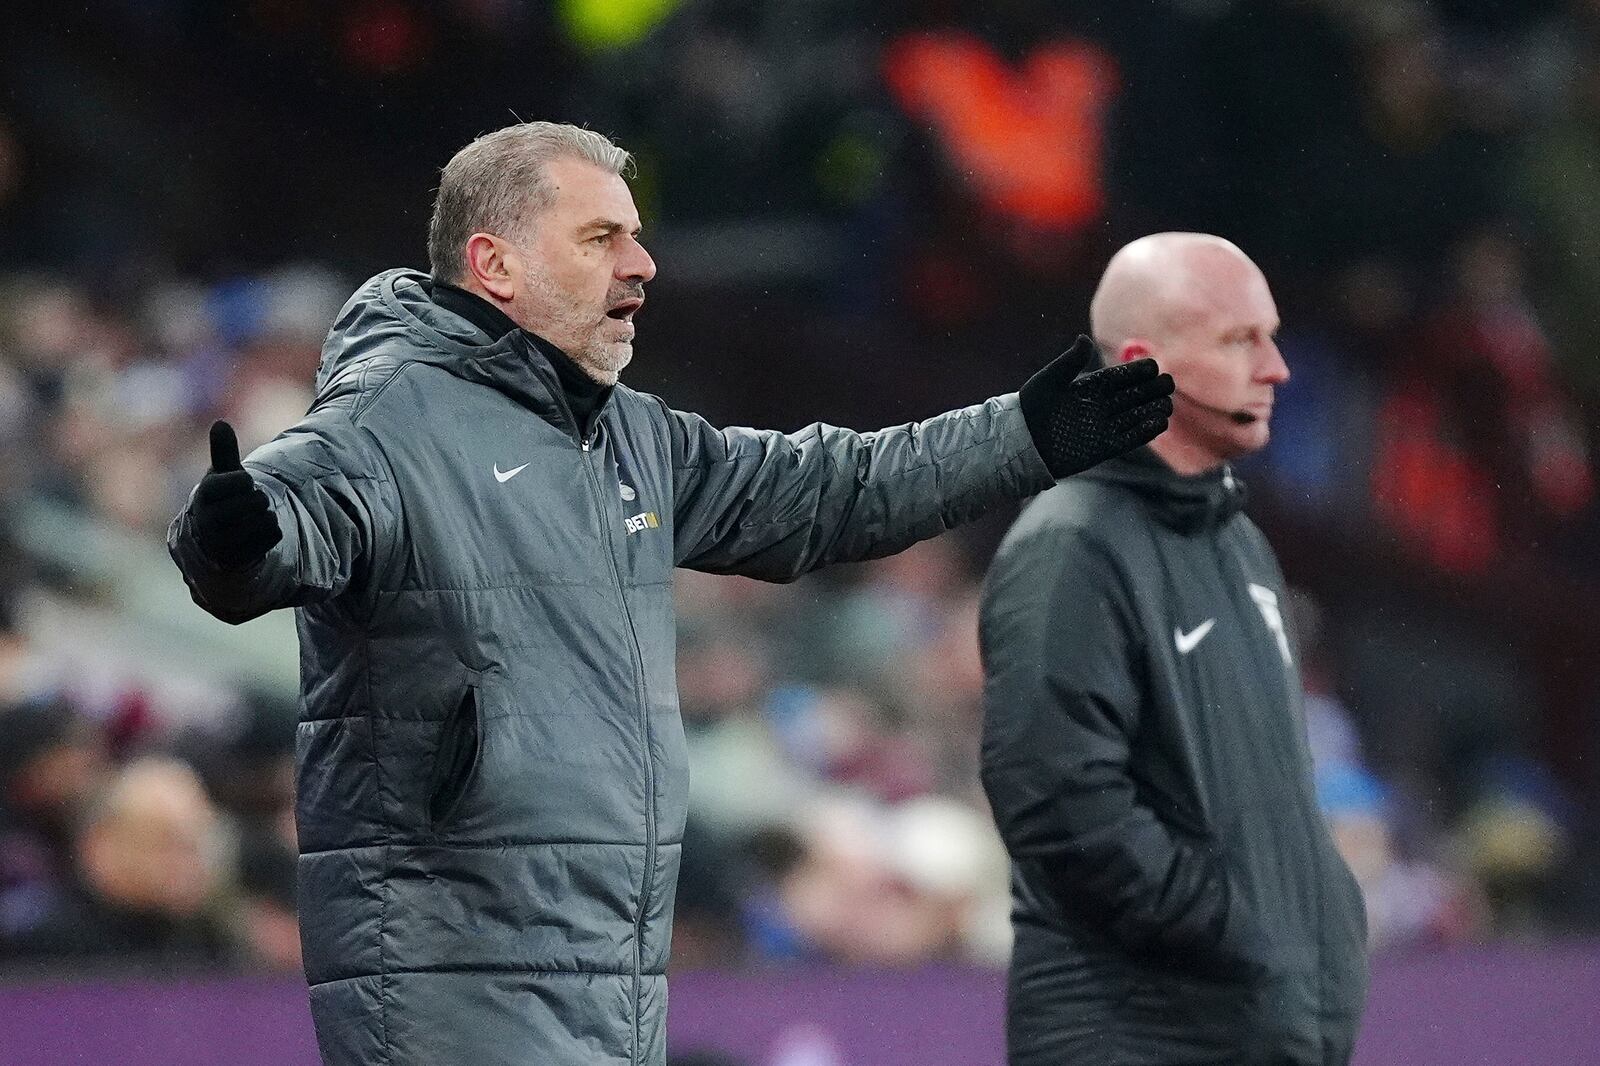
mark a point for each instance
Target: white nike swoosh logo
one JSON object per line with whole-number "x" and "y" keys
{"x": 506, "y": 475}
{"x": 1186, "y": 641}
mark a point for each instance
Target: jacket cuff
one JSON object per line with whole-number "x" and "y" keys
{"x": 1030, "y": 466}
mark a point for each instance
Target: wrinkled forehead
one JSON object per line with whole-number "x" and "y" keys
{"x": 583, "y": 192}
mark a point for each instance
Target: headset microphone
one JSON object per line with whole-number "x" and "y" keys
{"x": 1242, "y": 418}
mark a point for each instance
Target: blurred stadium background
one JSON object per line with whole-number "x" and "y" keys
{"x": 863, "y": 213}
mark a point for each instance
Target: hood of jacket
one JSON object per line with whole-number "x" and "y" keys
{"x": 1189, "y": 503}
{"x": 398, "y": 304}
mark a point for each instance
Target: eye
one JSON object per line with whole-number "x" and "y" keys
{"x": 601, "y": 239}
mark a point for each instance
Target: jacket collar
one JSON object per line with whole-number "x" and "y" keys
{"x": 585, "y": 396}
{"x": 518, "y": 363}
{"x": 1187, "y": 503}
{"x": 494, "y": 322}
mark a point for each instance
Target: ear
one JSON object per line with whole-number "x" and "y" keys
{"x": 1133, "y": 349}
{"x": 494, "y": 264}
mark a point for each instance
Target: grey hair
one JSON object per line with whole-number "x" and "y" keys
{"x": 497, "y": 184}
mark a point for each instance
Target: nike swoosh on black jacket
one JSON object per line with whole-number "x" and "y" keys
{"x": 1177, "y": 897}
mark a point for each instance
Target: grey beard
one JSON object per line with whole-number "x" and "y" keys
{"x": 598, "y": 366}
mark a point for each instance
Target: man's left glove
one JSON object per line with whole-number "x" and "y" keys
{"x": 1079, "y": 421}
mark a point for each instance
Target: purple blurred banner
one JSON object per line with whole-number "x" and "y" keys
{"x": 1480, "y": 1007}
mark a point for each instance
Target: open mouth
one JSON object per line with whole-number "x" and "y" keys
{"x": 624, "y": 311}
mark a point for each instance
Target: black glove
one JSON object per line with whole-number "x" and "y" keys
{"x": 233, "y": 520}
{"x": 1077, "y": 422}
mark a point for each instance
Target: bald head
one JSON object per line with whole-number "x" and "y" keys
{"x": 1162, "y": 283}
{"x": 148, "y": 843}
{"x": 1198, "y": 306}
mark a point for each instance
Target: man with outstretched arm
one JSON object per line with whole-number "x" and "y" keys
{"x": 478, "y": 526}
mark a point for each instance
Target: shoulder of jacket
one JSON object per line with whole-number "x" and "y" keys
{"x": 1252, "y": 540}
{"x": 335, "y": 422}
{"x": 653, "y": 413}
{"x": 1242, "y": 529}
{"x": 642, "y": 414}
{"x": 1092, "y": 511}
{"x": 632, "y": 402}
{"x": 1064, "y": 523}
{"x": 1250, "y": 530}
{"x": 356, "y": 388}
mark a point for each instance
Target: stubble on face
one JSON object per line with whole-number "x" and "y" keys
{"x": 602, "y": 346}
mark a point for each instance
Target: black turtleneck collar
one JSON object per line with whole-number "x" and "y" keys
{"x": 472, "y": 307}
{"x": 584, "y": 394}
{"x": 1188, "y": 503}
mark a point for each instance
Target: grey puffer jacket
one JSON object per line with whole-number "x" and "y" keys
{"x": 491, "y": 767}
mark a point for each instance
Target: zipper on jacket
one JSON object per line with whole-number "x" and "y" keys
{"x": 1311, "y": 822}
{"x": 1236, "y": 581}
{"x": 648, "y": 878}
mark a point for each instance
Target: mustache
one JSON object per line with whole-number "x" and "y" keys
{"x": 626, "y": 292}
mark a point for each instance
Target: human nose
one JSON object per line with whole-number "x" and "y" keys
{"x": 1273, "y": 370}
{"x": 636, "y": 265}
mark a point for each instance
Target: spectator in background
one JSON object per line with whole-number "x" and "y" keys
{"x": 52, "y": 762}
{"x": 943, "y": 685}
{"x": 739, "y": 776}
{"x": 1408, "y": 902}
{"x": 149, "y": 861}
{"x": 1407, "y": 145}
{"x": 250, "y": 773}
{"x": 945, "y": 860}
{"x": 1512, "y": 834}
{"x": 1409, "y": 899}
{"x": 1478, "y": 446}
{"x": 894, "y": 609}
{"x": 865, "y": 884}
{"x": 1560, "y": 184}
{"x": 265, "y": 906}
{"x": 713, "y": 880}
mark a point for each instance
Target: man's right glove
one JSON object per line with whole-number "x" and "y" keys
{"x": 233, "y": 520}
{"x": 1077, "y": 422}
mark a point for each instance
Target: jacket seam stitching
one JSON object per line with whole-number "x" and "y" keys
{"x": 745, "y": 457}
{"x": 514, "y": 586}
{"x": 480, "y": 846}
{"x": 748, "y": 458}
{"x": 401, "y": 536}
{"x": 388, "y": 889}
{"x": 365, "y": 402}
{"x": 366, "y": 395}
{"x": 542, "y": 971}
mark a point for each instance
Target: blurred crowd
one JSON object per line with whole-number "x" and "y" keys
{"x": 898, "y": 213}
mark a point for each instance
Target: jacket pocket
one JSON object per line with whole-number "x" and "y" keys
{"x": 456, "y": 761}
{"x": 1253, "y": 1023}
